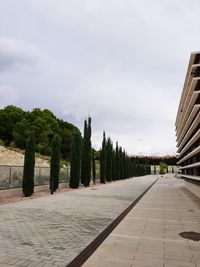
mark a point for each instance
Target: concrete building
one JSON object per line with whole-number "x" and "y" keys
{"x": 188, "y": 126}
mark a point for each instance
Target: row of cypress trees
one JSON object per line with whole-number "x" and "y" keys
{"x": 115, "y": 164}
{"x": 82, "y": 161}
{"x": 29, "y": 165}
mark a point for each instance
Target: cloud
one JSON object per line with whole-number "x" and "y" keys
{"x": 9, "y": 95}
{"x": 17, "y": 55}
{"x": 122, "y": 62}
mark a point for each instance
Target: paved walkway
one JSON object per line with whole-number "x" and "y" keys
{"x": 149, "y": 234}
{"x": 50, "y": 231}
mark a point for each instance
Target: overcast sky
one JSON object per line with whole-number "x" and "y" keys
{"x": 122, "y": 62}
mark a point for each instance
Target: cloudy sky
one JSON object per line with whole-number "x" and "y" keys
{"x": 122, "y": 62}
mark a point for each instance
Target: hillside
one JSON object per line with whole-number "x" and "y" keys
{"x": 16, "y": 125}
{"x": 15, "y": 158}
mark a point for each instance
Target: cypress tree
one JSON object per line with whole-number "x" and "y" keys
{"x": 29, "y": 164}
{"x": 154, "y": 169}
{"x": 103, "y": 160}
{"x": 93, "y": 167}
{"x": 134, "y": 167}
{"x": 117, "y": 162}
{"x": 137, "y": 166}
{"x": 125, "y": 165}
{"x": 108, "y": 160}
{"x": 128, "y": 175}
{"x": 75, "y": 161}
{"x": 55, "y": 163}
{"x": 113, "y": 165}
{"x": 89, "y": 152}
{"x": 86, "y": 154}
{"x": 120, "y": 163}
{"x": 172, "y": 169}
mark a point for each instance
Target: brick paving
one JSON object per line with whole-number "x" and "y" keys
{"x": 149, "y": 235}
{"x": 50, "y": 231}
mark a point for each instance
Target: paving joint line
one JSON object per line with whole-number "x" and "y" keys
{"x": 90, "y": 249}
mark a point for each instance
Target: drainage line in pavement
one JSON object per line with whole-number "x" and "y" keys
{"x": 90, "y": 249}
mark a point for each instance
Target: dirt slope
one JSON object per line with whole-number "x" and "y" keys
{"x": 14, "y": 158}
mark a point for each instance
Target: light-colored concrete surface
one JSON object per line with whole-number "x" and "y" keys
{"x": 50, "y": 231}
{"x": 149, "y": 234}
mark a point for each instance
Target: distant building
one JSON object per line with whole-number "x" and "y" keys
{"x": 188, "y": 126}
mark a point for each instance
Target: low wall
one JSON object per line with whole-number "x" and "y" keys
{"x": 11, "y": 176}
{"x": 18, "y": 191}
{"x": 194, "y": 188}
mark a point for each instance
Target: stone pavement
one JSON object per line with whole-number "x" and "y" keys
{"x": 50, "y": 231}
{"x": 149, "y": 235}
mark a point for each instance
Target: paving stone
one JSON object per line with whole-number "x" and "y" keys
{"x": 56, "y": 228}
{"x": 164, "y": 213}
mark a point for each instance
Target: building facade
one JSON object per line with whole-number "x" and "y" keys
{"x": 188, "y": 126}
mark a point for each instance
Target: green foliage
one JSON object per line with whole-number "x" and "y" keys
{"x": 103, "y": 160}
{"x": 75, "y": 161}
{"x": 117, "y": 162}
{"x": 9, "y": 116}
{"x": 169, "y": 160}
{"x": 55, "y": 163}
{"x": 86, "y": 154}
{"x": 109, "y": 149}
{"x": 93, "y": 166}
{"x": 29, "y": 164}
{"x": 163, "y": 167}
{"x": 16, "y": 125}
{"x": 121, "y": 167}
{"x": 113, "y": 165}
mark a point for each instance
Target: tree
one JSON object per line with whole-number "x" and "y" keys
{"x": 93, "y": 166}
{"x": 172, "y": 169}
{"x": 75, "y": 161}
{"x": 124, "y": 165}
{"x": 29, "y": 164}
{"x": 103, "y": 160}
{"x": 108, "y": 160}
{"x": 134, "y": 166}
{"x": 154, "y": 169}
{"x": 117, "y": 163}
{"x": 86, "y": 154}
{"x": 113, "y": 165}
{"x": 120, "y": 163}
{"x": 163, "y": 167}
{"x": 55, "y": 164}
{"x": 16, "y": 125}
{"x": 9, "y": 116}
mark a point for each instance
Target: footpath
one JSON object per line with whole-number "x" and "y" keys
{"x": 151, "y": 234}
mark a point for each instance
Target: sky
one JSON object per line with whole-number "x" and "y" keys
{"x": 121, "y": 62}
